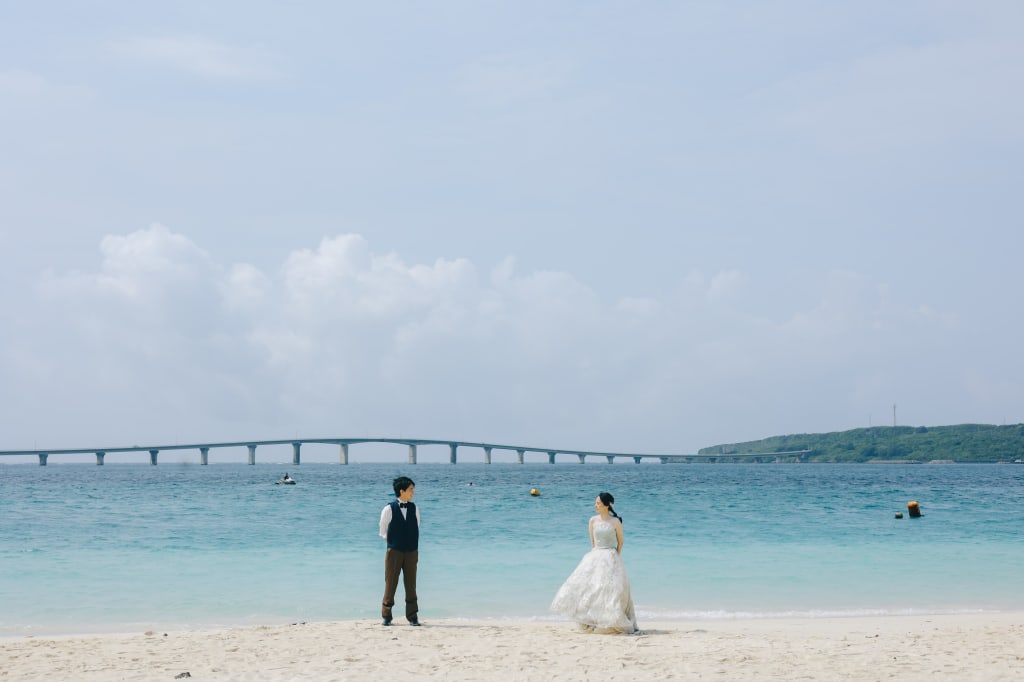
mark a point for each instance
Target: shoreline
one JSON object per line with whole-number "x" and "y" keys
{"x": 54, "y": 631}
{"x": 963, "y": 646}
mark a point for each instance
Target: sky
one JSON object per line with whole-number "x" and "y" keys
{"x": 629, "y": 227}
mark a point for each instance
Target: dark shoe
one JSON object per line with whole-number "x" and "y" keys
{"x": 386, "y": 621}
{"x": 414, "y": 621}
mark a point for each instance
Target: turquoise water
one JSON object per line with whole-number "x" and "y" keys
{"x": 130, "y": 546}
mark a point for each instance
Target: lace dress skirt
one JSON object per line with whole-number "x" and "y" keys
{"x": 597, "y": 593}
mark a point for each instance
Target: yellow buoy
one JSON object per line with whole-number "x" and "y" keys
{"x": 534, "y": 492}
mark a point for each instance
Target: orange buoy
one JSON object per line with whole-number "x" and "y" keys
{"x": 534, "y": 492}
{"x": 914, "y": 509}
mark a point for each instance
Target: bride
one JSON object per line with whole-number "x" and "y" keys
{"x": 597, "y": 595}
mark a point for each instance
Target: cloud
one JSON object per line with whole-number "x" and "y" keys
{"x": 340, "y": 339}
{"x": 198, "y": 56}
{"x": 345, "y": 279}
{"x": 246, "y": 288}
{"x": 145, "y": 268}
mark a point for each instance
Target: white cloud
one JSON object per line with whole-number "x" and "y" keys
{"x": 341, "y": 339}
{"x": 342, "y": 278}
{"x": 140, "y": 266}
{"x": 245, "y": 288}
{"x": 198, "y": 56}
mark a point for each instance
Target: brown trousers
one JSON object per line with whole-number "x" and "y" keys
{"x": 396, "y": 562}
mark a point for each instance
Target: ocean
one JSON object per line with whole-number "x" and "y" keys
{"x": 130, "y": 547}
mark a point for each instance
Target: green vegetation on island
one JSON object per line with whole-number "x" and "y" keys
{"x": 960, "y": 443}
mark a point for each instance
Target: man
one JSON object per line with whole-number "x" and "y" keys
{"x": 400, "y": 526}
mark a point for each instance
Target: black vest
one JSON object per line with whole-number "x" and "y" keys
{"x": 403, "y": 532}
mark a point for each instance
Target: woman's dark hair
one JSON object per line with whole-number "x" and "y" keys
{"x": 609, "y": 501}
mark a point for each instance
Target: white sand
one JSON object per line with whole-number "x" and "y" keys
{"x": 948, "y": 647}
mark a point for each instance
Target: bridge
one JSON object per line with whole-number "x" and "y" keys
{"x": 412, "y": 444}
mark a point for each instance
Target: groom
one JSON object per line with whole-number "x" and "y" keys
{"x": 400, "y": 526}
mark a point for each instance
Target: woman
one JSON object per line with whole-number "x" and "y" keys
{"x": 597, "y": 595}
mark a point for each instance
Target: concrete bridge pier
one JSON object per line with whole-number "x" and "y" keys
{"x": 519, "y": 455}
{"x": 636, "y": 460}
{"x": 664, "y": 460}
{"x": 152, "y": 456}
{"x": 42, "y": 459}
{"x": 344, "y": 453}
{"x": 295, "y": 453}
{"x": 611, "y": 459}
{"x": 412, "y": 453}
{"x": 204, "y": 456}
{"x": 252, "y": 454}
{"x": 453, "y": 447}
{"x": 551, "y": 457}
{"x": 487, "y": 455}
{"x": 99, "y": 458}
{"x": 583, "y": 459}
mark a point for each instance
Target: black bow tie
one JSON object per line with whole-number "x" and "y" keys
{"x": 403, "y": 505}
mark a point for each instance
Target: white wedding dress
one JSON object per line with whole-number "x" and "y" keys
{"x": 597, "y": 593}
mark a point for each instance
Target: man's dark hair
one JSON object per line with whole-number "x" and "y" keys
{"x": 401, "y": 483}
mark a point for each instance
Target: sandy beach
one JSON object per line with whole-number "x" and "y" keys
{"x": 955, "y": 647}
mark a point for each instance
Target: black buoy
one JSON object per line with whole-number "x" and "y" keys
{"x": 899, "y": 515}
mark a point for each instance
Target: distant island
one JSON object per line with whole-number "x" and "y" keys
{"x": 880, "y": 444}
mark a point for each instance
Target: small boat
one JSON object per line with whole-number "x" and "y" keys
{"x": 285, "y": 480}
